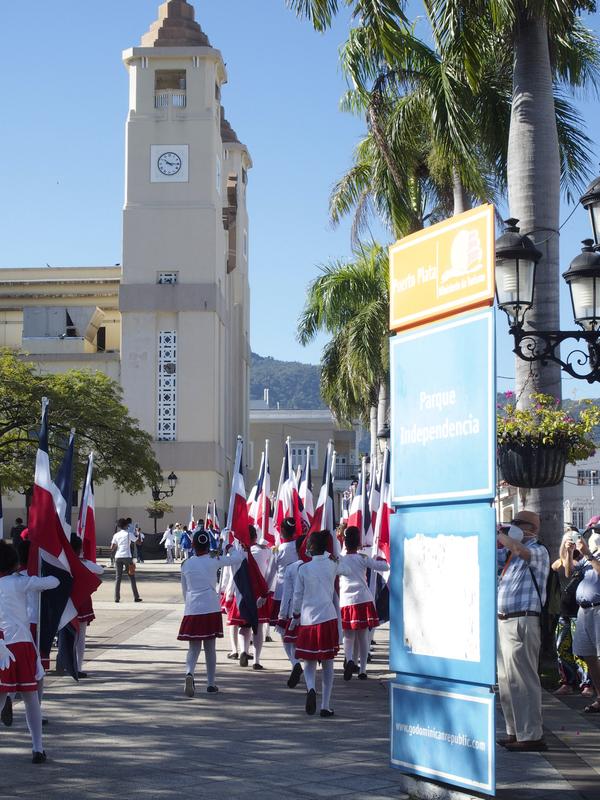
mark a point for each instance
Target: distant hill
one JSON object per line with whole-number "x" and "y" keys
{"x": 290, "y": 383}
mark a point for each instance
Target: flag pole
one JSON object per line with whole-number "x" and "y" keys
{"x": 265, "y": 517}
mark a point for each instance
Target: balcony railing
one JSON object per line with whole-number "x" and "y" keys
{"x": 346, "y": 472}
{"x": 166, "y": 98}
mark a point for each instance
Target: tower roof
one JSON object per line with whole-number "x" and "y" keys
{"x": 175, "y": 27}
{"x": 227, "y": 132}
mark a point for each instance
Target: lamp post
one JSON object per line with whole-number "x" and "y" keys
{"x": 158, "y": 493}
{"x": 516, "y": 262}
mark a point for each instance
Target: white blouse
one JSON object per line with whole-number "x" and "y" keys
{"x": 199, "y": 581}
{"x": 289, "y": 583}
{"x": 314, "y": 589}
{"x": 283, "y": 556}
{"x": 353, "y": 587}
{"x": 14, "y": 613}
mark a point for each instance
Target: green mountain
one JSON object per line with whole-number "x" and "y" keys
{"x": 290, "y": 383}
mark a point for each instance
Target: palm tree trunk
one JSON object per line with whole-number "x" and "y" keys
{"x": 534, "y": 197}
{"x": 460, "y": 197}
{"x": 373, "y": 432}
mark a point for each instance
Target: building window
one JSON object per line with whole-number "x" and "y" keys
{"x": 578, "y": 517}
{"x": 299, "y": 454}
{"x": 588, "y": 477}
{"x": 170, "y": 88}
{"x": 167, "y": 387}
{"x": 167, "y": 277}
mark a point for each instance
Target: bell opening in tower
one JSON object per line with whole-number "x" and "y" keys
{"x": 170, "y": 88}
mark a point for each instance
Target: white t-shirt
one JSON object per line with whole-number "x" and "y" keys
{"x": 123, "y": 540}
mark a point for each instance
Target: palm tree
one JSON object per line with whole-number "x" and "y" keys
{"x": 350, "y": 301}
{"x": 549, "y": 46}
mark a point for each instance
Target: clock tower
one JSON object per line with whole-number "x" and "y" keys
{"x": 184, "y": 295}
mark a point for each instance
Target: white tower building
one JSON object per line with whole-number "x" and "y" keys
{"x": 184, "y": 294}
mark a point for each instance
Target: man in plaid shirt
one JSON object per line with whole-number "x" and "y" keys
{"x": 521, "y": 596}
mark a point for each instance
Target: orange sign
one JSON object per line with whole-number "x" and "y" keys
{"x": 443, "y": 269}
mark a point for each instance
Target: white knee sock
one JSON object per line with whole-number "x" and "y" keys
{"x": 327, "y": 681}
{"x": 245, "y": 633}
{"x": 80, "y": 644}
{"x": 33, "y": 714}
{"x": 290, "y": 651}
{"x": 210, "y": 656}
{"x": 349, "y": 642}
{"x": 363, "y": 649}
{"x": 195, "y": 645}
{"x": 310, "y": 674}
{"x": 258, "y": 642}
{"x": 234, "y": 639}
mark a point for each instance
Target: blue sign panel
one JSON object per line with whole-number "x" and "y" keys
{"x": 444, "y": 731}
{"x": 443, "y": 592}
{"x": 443, "y": 412}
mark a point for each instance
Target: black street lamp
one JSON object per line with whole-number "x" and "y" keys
{"x": 516, "y": 261}
{"x": 158, "y": 493}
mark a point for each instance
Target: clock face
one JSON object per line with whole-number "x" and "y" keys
{"x": 169, "y": 163}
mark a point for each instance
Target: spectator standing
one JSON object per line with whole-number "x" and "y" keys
{"x": 586, "y": 641}
{"x": 121, "y": 547}
{"x": 185, "y": 543}
{"x": 16, "y": 531}
{"x": 139, "y": 544}
{"x": 521, "y": 597}
{"x": 168, "y": 540}
{"x": 572, "y": 670}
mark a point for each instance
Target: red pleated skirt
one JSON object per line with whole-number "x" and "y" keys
{"x": 266, "y": 612}
{"x": 318, "y": 642}
{"x": 86, "y": 612}
{"x": 289, "y": 637}
{"x": 234, "y": 616}
{"x": 201, "y": 626}
{"x": 19, "y": 676}
{"x": 359, "y": 616}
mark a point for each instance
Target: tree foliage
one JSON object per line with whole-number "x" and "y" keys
{"x": 89, "y": 402}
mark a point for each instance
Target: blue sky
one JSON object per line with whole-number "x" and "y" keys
{"x": 62, "y": 139}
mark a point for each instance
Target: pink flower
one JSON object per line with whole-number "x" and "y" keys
{"x": 508, "y": 394}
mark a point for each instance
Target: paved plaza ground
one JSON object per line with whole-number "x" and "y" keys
{"x": 128, "y": 731}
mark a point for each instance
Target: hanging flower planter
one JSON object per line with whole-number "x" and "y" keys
{"x": 155, "y": 514}
{"x": 532, "y": 465}
{"x": 535, "y": 444}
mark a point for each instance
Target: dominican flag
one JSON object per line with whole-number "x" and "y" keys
{"x": 248, "y": 582}
{"x": 252, "y": 502}
{"x": 237, "y": 517}
{"x": 381, "y": 542}
{"x": 1, "y": 517}
{"x": 374, "y": 494}
{"x": 64, "y": 484}
{"x": 288, "y": 500}
{"x": 263, "y": 503}
{"x": 323, "y": 518}
{"x": 306, "y": 494}
{"x": 86, "y": 522}
{"x": 360, "y": 514}
{"x": 51, "y": 553}
{"x": 215, "y": 518}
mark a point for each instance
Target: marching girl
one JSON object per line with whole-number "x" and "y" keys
{"x": 286, "y": 614}
{"x": 20, "y": 668}
{"x": 284, "y": 554}
{"x": 86, "y": 614}
{"x": 357, "y": 606}
{"x": 263, "y": 557}
{"x": 315, "y": 612}
{"x": 202, "y": 622}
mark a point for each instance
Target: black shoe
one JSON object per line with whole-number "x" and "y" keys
{"x": 138, "y": 600}
{"x": 369, "y": 658}
{"x": 257, "y": 666}
{"x": 212, "y": 689}
{"x": 529, "y": 746}
{"x": 7, "y": 712}
{"x": 510, "y": 739}
{"x": 250, "y": 658}
{"x": 295, "y": 676}
{"x": 348, "y": 670}
{"x": 268, "y": 639}
{"x": 362, "y": 676}
{"x": 233, "y": 656}
{"x": 44, "y": 721}
{"x": 82, "y": 674}
{"x": 38, "y": 758}
{"x": 244, "y": 660}
{"x": 355, "y": 669}
{"x": 117, "y": 601}
{"x": 325, "y": 712}
{"x": 311, "y": 702}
